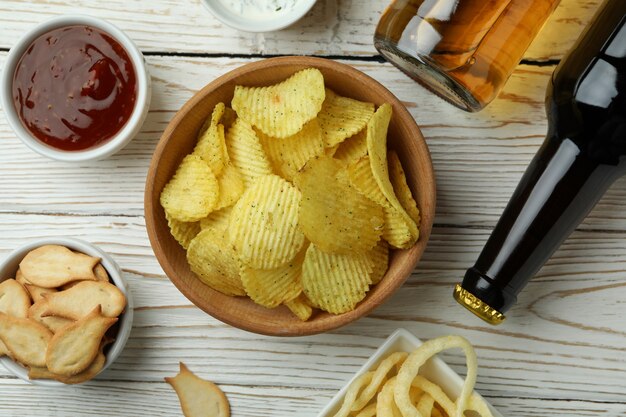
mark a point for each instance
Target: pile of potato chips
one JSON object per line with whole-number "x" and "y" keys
{"x": 291, "y": 197}
{"x": 396, "y": 389}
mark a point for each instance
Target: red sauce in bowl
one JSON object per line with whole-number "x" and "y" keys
{"x": 74, "y": 88}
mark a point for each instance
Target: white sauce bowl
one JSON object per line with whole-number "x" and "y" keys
{"x": 8, "y": 268}
{"x": 281, "y": 21}
{"x": 109, "y": 147}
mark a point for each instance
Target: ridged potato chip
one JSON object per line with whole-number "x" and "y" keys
{"x": 333, "y": 214}
{"x": 211, "y": 144}
{"x": 353, "y": 148}
{"x": 380, "y": 258}
{"x": 215, "y": 263}
{"x": 192, "y": 192}
{"x": 183, "y": 232}
{"x": 272, "y": 287}
{"x": 300, "y": 307}
{"x": 246, "y": 152}
{"x": 377, "y": 150}
{"x": 342, "y": 117}
{"x": 288, "y": 155}
{"x": 330, "y": 151}
{"x": 217, "y": 220}
{"x": 228, "y": 118}
{"x": 335, "y": 282}
{"x": 399, "y": 230}
{"x": 231, "y": 186}
{"x": 362, "y": 178}
{"x": 280, "y": 110}
{"x": 263, "y": 225}
{"x": 401, "y": 187}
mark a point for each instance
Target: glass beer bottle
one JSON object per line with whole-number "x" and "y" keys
{"x": 584, "y": 152}
{"x": 463, "y": 50}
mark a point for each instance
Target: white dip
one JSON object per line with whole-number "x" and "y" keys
{"x": 259, "y": 9}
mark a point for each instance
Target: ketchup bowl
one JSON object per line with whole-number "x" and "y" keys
{"x": 75, "y": 88}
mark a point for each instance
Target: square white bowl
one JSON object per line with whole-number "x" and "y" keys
{"x": 434, "y": 369}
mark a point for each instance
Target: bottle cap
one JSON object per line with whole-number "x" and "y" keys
{"x": 477, "y": 306}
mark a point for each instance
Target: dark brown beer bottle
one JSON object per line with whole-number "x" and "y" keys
{"x": 584, "y": 152}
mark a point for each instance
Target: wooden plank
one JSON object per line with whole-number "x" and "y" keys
{"x": 144, "y": 399}
{"x": 478, "y": 158}
{"x": 331, "y": 28}
{"x": 556, "y": 345}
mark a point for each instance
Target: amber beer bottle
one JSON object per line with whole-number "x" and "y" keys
{"x": 463, "y": 50}
{"x": 584, "y": 152}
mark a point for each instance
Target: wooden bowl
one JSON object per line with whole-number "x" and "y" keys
{"x": 179, "y": 139}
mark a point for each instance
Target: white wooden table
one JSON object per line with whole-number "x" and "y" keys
{"x": 562, "y": 351}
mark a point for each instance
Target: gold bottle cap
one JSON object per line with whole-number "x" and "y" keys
{"x": 477, "y": 306}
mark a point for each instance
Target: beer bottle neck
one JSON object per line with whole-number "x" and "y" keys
{"x": 557, "y": 191}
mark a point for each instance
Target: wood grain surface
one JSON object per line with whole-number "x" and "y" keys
{"x": 561, "y": 351}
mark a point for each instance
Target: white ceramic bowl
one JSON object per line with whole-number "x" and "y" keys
{"x": 434, "y": 369}
{"x": 8, "y": 268}
{"x": 132, "y": 126}
{"x": 281, "y": 21}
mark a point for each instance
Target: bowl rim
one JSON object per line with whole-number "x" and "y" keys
{"x": 115, "y": 273}
{"x": 312, "y": 326}
{"x": 128, "y": 131}
{"x": 255, "y": 26}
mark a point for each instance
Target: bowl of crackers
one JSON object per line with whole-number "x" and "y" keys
{"x": 290, "y": 196}
{"x": 65, "y": 312}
